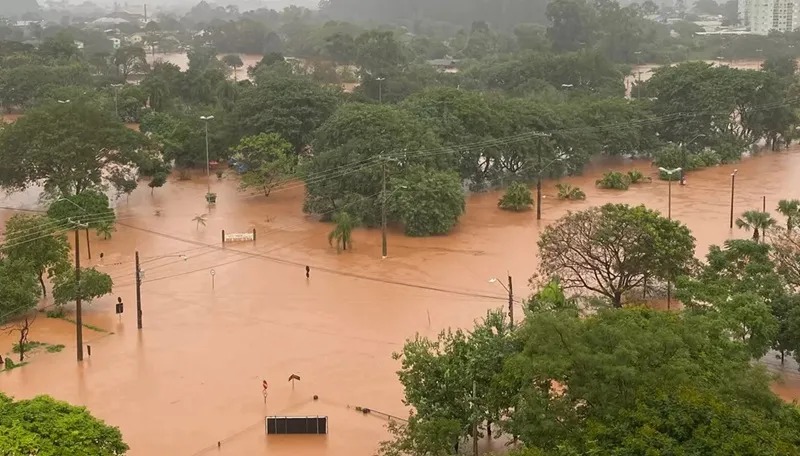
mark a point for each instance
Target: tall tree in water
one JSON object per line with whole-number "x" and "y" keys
{"x": 69, "y": 147}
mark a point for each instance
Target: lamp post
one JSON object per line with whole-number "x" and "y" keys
{"x": 208, "y": 169}
{"x": 733, "y": 190}
{"x": 559, "y": 157}
{"x": 380, "y": 89}
{"x": 670, "y": 172}
{"x": 116, "y": 94}
{"x": 510, "y": 290}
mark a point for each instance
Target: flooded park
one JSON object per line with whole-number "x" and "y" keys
{"x": 220, "y": 319}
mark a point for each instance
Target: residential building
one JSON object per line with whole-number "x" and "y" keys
{"x": 763, "y": 16}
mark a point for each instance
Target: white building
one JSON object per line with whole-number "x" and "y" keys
{"x": 763, "y": 16}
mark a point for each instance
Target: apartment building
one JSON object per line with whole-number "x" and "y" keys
{"x": 763, "y": 16}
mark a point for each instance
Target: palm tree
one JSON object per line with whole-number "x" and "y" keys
{"x": 200, "y": 219}
{"x": 757, "y": 221}
{"x": 791, "y": 210}
{"x": 342, "y": 232}
{"x": 105, "y": 230}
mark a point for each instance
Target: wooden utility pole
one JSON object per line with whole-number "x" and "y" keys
{"x": 510, "y": 300}
{"x": 138, "y": 293}
{"x": 78, "y": 309}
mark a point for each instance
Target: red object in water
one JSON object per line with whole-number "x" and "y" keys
{"x": 264, "y": 384}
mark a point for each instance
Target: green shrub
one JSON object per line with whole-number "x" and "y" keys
{"x": 614, "y": 180}
{"x": 517, "y": 198}
{"x": 570, "y": 192}
{"x": 28, "y": 346}
{"x": 637, "y": 177}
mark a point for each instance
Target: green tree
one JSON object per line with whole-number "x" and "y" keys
{"x": 516, "y": 198}
{"x": 595, "y": 384}
{"x": 129, "y": 59}
{"x": 266, "y": 159}
{"x": 451, "y": 383}
{"x": 342, "y": 232}
{"x": 35, "y": 240}
{"x": 612, "y": 249}
{"x": 234, "y": 62}
{"x": 94, "y": 284}
{"x": 756, "y": 221}
{"x": 358, "y": 142}
{"x": 69, "y": 147}
{"x": 157, "y": 181}
{"x": 791, "y": 210}
{"x": 427, "y": 202}
{"x": 291, "y": 106}
{"x": 47, "y": 427}
{"x": 740, "y": 283}
{"x": 89, "y": 209}
{"x": 572, "y": 24}
{"x": 19, "y": 292}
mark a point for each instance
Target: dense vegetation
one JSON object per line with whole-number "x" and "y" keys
{"x": 597, "y": 372}
{"x": 48, "y": 427}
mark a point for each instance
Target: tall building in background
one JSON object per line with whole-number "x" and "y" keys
{"x": 763, "y": 16}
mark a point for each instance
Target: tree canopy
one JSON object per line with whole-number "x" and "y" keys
{"x": 47, "y": 427}
{"x": 71, "y": 154}
{"x": 613, "y": 249}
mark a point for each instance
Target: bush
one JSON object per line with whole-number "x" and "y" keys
{"x": 517, "y": 198}
{"x": 671, "y": 157}
{"x": 570, "y": 192}
{"x": 427, "y": 202}
{"x": 614, "y": 180}
{"x": 637, "y": 177}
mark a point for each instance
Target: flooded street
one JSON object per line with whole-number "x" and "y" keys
{"x": 192, "y": 376}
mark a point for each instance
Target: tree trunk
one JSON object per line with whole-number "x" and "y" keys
{"x": 41, "y": 281}
{"x": 617, "y": 302}
{"x": 783, "y": 354}
{"x": 88, "y": 245}
{"x": 489, "y": 429}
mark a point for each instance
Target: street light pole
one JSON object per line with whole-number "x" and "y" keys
{"x": 380, "y": 89}
{"x": 208, "y": 168}
{"x": 733, "y": 190}
{"x": 384, "y": 247}
{"x": 669, "y": 173}
{"x": 510, "y": 290}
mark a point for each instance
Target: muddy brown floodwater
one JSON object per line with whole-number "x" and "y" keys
{"x": 192, "y": 376}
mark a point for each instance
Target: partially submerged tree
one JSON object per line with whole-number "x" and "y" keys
{"x": 68, "y": 147}
{"x": 36, "y": 241}
{"x": 87, "y": 210}
{"x": 94, "y": 284}
{"x": 265, "y": 161}
{"x": 517, "y": 198}
{"x": 342, "y": 232}
{"x": 612, "y": 249}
